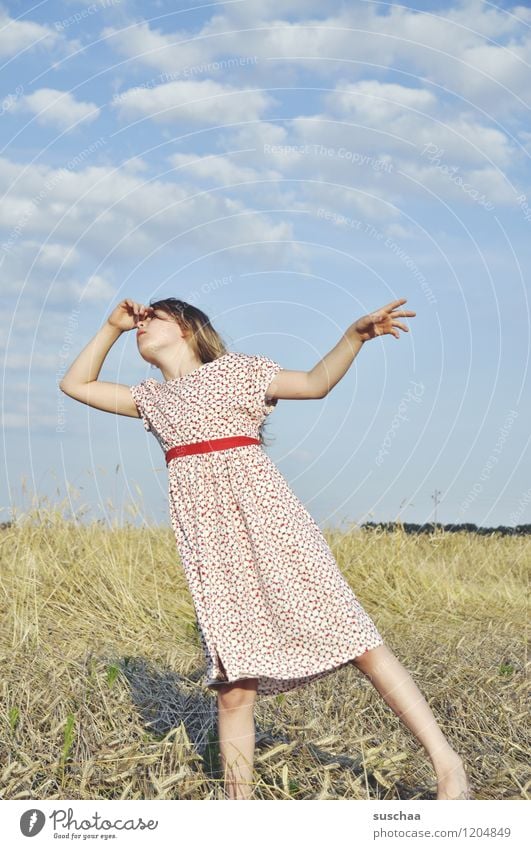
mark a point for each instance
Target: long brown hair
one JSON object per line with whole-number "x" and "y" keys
{"x": 204, "y": 340}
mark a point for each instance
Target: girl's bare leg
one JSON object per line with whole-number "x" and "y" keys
{"x": 396, "y": 686}
{"x": 237, "y": 736}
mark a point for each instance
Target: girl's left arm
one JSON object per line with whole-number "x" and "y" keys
{"x": 318, "y": 382}
{"x": 329, "y": 371}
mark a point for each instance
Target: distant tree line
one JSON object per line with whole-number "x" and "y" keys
{"x": 468, "y": 527}
{"x": 426, "y": 528}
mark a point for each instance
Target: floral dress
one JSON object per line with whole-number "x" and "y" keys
{"x": 270, "y": 600}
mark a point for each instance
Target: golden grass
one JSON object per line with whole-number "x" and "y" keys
{"x": 102, "y": 667}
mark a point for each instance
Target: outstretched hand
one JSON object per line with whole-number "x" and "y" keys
{"x": 382, "y": 321}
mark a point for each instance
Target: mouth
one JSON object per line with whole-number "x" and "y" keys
{"x": 140, "y": 332}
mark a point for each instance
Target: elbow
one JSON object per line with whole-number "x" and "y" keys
{"x": 311, "y": 390}
{"x": 66, "y": 387}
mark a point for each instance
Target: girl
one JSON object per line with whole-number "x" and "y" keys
{"x": 274, "y": 612}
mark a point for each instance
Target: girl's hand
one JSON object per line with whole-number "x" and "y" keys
{"x": 381, "y": 321}
{"x": 126, "y": 315}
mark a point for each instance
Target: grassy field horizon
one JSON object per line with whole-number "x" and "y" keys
{"x": 102, "y": 668}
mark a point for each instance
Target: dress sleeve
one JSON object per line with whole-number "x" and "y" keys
{"x": 263, "y": 370}
{"x": 142, "y": 396}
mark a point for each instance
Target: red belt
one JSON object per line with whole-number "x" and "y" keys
{"x": 210, "y": 445}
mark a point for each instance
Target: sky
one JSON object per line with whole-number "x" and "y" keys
{"x": 288, "y": 167}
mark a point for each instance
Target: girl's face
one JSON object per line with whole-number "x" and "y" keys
{"x": 156, "y": 334}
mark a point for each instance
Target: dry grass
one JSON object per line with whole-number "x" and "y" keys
{"x": 101, "y": 670}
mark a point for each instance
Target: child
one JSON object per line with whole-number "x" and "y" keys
{"x": 273, "y": 609}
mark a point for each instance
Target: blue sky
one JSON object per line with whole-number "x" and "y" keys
{"x": 287, "y": 171}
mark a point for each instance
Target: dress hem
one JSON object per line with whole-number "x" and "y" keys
{"x": 214, "y": 683}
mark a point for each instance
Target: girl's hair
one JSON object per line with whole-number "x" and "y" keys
{"x": 204, "y": 340}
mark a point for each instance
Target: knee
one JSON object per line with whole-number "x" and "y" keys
{"x": 369, "y": 660}
{"x": 360, "y": 662}
{"x": 238, "y": 695}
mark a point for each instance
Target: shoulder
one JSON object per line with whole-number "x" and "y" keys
{"x": 148, "y": 384}
{"x": 236, "y": 359}
{"x": 250, "y": 359}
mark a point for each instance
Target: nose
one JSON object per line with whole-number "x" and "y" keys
{"x": 141, "y": 322}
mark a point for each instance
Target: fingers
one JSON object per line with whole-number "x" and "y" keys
{"x": 137, "y": 308}
{"x": 394, "y": 304}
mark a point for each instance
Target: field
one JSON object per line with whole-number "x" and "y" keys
{"x": 101, "y": 670}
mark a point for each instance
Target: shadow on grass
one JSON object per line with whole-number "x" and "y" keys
{"x": 164, "y": 699}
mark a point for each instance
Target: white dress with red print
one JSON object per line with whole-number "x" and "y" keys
{"x": 270, "y": 600}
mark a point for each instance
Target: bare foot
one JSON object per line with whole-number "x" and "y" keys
{"x": 452, "y": 782}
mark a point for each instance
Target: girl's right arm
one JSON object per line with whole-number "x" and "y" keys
{"x": 81, "y": 380}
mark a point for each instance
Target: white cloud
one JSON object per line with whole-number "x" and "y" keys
{"x": 255, "y": 135}
{"x": 381, "y": 117}
{"x": 367, "y": 203}
{"x": 459, "y": 185}
{"x": 523, "y": 12}
{"x": 18, "y": 35}
{"x": 51, "y": 255}
{"x": 57, "y": 108}
{"x": 504, "y": 70}
{"x": 142, "y": 41}
{"x": 447, "y": 46}
{"x": 525, "y": 140}
{"x": 466, "y": 139}
{"x": 218, "y": 168}
{"x": 493, "y": 184}
{"x": 116, "y": 211}
{"x": 135, "y": 164}
{"x": 196, "y": 101}
{"x": 398, "y": 231}
{"x": 187, "y": 52}
{"x": 96, "y": 289}
{"x": 374, "y": 102}
{"x": 59, "y": 291}
{"x": 253, "y": 10}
